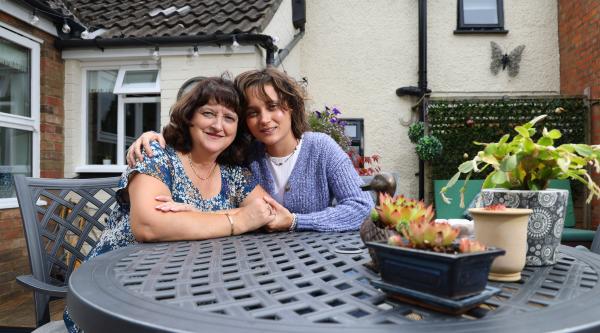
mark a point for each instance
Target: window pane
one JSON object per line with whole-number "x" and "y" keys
{"x": 15, "y": 158}
{"x": 102, "y": 117}
{"x": 140, "y": 77}
{"x": 15, "y": 79}
{"x": 480, "y": 11}
{"x": 140, "y": 118}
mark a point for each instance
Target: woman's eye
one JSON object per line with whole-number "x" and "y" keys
{"x": 230, "y": 119}
{"x": 251, "y": 114}
{"x": 208, "y": 114}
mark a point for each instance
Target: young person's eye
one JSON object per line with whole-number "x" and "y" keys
{"x": 251, "y": 113}
{"x": 272, "y": 106}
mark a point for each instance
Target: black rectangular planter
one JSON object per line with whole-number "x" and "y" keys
{"x": 442, "y": 274}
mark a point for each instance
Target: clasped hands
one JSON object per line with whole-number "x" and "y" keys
{"x": 262, "y": 212}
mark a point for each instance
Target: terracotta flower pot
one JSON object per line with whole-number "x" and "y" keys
{"x": 506, "y": 229}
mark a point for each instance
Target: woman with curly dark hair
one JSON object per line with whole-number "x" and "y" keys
{"x": 200, "y": 169}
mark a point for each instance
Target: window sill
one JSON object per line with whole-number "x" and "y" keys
{"x": 99, "y": 168}
{"x": 9, "y": 203}
{"x": 480, "y": 31}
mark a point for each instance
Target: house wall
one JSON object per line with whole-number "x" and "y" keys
{"x": 175, "y": 70}
{"x": 13, "y": 252}
{"x": 579, "y": 37}
{"x": 355, "y": 54}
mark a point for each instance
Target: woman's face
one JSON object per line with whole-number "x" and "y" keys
{"x": 268, "y": 121}
{"x": 213, "y": 128}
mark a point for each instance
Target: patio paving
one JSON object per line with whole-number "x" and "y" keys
{"x": 18, "y": 311}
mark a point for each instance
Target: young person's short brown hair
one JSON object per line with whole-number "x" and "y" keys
{"x": 217, "y": 90}
{"x": 289, "y": 92}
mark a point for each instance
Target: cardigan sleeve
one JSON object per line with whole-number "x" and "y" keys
{"x": 353, "y": 204}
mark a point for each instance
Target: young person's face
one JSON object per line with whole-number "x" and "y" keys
{"x": 270, "y": 122}
{"x": 213, "y": 128}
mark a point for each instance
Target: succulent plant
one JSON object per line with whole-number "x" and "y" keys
{"x": 396, "y": 212}
{"x": 437, "y": 237}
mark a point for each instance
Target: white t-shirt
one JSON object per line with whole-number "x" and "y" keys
{"x": 281, "y": 169}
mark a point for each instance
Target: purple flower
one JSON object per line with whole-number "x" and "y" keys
{"x": 336, "y": 111}
{"x": 342, "y": 123}
{"x": 333, "y": 120}
{"x": 318, "y": 114}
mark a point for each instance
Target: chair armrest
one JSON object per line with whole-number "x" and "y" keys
{"x": 42, "y": 287}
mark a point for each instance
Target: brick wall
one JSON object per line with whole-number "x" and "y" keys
{"x": 579, "y": 43}
{"x": 13, "y": 251}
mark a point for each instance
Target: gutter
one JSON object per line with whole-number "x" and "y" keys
{"x": 421, "y": 91}
{"x": 283, "y": 53}
{"x": 264, "y": 41}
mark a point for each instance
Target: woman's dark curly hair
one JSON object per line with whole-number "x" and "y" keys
{"x": 289, "y": 92}
{"x": 217, "y": 90}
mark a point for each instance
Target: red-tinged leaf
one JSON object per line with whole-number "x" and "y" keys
{"x": 368, "y": 159}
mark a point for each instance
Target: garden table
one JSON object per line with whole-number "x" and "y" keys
{"x": 300, "y": 282}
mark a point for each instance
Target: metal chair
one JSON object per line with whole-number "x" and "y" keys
{"x": 62, "y": 219}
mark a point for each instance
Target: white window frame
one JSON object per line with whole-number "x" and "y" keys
{"x": 83, "y": 166}
{"x": 120, "y": 89}
{"x": 31, "y": 123}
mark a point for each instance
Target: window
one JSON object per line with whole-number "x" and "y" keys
{"x": 121, "y": 105}
{"x": 480, "y": 16}
{"x": 19, "y": 111}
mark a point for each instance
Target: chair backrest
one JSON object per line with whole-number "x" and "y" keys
{"x": 62, "y": 220}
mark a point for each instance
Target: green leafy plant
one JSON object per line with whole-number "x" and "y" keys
{"x": 429, "y": 148}
{"x": 416, "y": 131}
{"x": 459, "y": 122}
{"x": 413, "y": 223}
{"x": 524, "y": 163}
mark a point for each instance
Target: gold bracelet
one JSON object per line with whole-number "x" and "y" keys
{"x": 230, "y": 222}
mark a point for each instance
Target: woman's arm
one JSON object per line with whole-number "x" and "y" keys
{"x": 353, "y": 205}
{"x": 152, "y": 225}
{"x": 135, "y": 150}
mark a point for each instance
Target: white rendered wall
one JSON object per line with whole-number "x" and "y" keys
{"x": 355, "y": 54}
{"x": 175, "y": 71}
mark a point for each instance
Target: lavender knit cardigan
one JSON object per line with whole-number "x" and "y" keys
{"x": 322, "y": 172}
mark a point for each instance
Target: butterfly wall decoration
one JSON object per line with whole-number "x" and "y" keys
{"x": 506, "y": 60}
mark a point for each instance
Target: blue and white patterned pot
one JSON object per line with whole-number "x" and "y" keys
{"x": 545, "y": 224}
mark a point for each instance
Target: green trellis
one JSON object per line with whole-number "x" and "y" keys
{"x": 457, "y": 123}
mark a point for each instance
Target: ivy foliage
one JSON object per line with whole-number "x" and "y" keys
{"x": 458, "y": 123}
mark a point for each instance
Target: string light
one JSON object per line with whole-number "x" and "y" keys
{"x": 66, "y": 28}
{"x": 196, "y": 53}
{"x": 34, "y": 18}
{"x": 235, "y": 45}
{"x": 156, "y": 54}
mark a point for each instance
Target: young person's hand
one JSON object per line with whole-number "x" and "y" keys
{"x": 283, "y": 217}
{"x": 135, "y": 150}
{"x": 168, "y": 205}
{"x": 254, "y": 215}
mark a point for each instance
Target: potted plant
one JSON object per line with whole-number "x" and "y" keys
{"x": 504, "y": 228}
{"x": 424, "y": 256}
{"x": 107, "y": 160}
{"x": 520, "y": 171}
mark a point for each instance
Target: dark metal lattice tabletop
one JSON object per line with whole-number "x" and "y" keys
{"x": 298, "y": 282}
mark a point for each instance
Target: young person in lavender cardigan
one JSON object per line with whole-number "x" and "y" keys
{"x": 302, "y": 171}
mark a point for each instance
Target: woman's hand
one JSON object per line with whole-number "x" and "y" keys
{"x": 135, "y": 150}
{"x": 283, "y": 217}
{"x": 168, "y": 205}
{"x": 252, "y": 216}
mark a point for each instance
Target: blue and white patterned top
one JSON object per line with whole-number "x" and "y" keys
{"x": 236, "y": 183}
